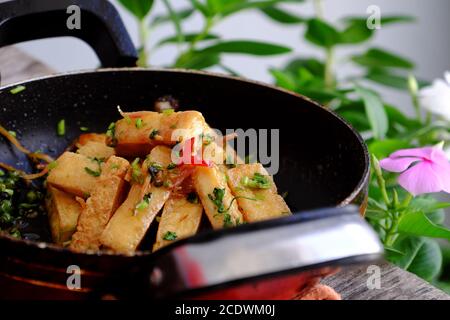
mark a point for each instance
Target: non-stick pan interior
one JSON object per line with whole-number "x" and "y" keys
{"x": 322, "y": 160}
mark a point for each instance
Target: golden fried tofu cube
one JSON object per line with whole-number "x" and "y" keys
{"x": 63, "y": 212}
{"x": 180, "y": 219}
{"x": 216, "y": 197}
{"x": 105, "y": 198}
{"x": 98, "y": 150}
{"x": 139, "y": 132}
{"x": 75, "y": 174}
{"x": 130, "y": 222}
{"x": 90, "y": 137}
{"x": 256, "y": 203}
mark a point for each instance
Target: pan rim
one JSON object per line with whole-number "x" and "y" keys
{"x": 45, "y": 245}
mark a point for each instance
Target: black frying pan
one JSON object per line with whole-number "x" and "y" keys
{"x": 324, "y": 163}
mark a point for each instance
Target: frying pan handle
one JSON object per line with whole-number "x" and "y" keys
{"x": 300, "y": 244}
{"x": 96, "y": 22}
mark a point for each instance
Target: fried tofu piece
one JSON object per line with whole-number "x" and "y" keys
{"x": 71, "y": 174}
{"x": 98, "y": 150}
{"x": 105, "y": 198}
{"x": 130, "y": 222}
{"x": 180, "y": 219}
{"x": 139, "y": 132}
{"x": 85, "y": 138}
{"x": 216, "y": 197}
{"x": 261, "y": 203}
{"x": 63, "y": 212}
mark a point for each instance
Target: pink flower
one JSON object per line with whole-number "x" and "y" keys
{"x": 424, "y": 170}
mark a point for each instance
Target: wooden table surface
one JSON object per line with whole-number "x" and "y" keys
{"x": 352, "y": 284}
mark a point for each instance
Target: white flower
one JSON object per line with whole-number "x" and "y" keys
{"x": 436, "y": 98}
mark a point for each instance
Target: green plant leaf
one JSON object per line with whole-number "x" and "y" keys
{"x": 378, "y": 58}
{"x": 428, "y": 204}
{"x": 197, "y": 60}
{"x": 282, "y": 16}
{"x": 247, "y": 47}
{"x": 376, "y": 214}
{"x": 375, "y": 111}
{"x": 234, "y": 6}
{"x": 202, "y": 8}
{"x": 189, "y": 37}
{"x": 396, "y": 116}
{"x": 355, "y": 32}
{"x": 422, "y": 256}
{"x": 139, "y": 9}
{"x": 437, "y": 217}
{"x": 397, "y": 19}
{"x": 356, "y": 118}
{"x": 314, "y": 66}
{"x": 383, "y": 148}
{"x": 390, "y": 79}
{"x": 418, "y": 224}
{"x": 182, "y": 15}
{"x": 284, "y": 79}
{"x": 321, "y": 33}
{"x": 385, "y": 20}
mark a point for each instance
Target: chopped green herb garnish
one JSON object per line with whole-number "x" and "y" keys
{"x": 84, "y": 129}
{"x": 171, "y": 166}
{"x": 170, "y": 236}
{"x": 111, "y": 130}
{"x": 168, "y": 111}
{"x": 15, "y": 233}
{"x": 136, "y": 173}
{"x": 61, "y": 128}
{"x": 111, "y": 134}
{"x": 139, "y": 123}
{"x": 144, "y": 203}
{"x": 92, "y": 172}
{"x": 227, "y": 221}
{"x": 32, "y": 196}
{"x": 167, "y": 184}
{"x": 127, "y": 119}
{"x": 17, "y": 89}
{"x": 192, "y": 197}
{"x": 156, "y": 166}
{"x": 52, "y": 165}
{"x": 207, "y": 139}
{"x": 258, "y": 181}
{"x": 217, "y": 199}
{"x": 153, "y": 134}
{"x": 13, "y": 133}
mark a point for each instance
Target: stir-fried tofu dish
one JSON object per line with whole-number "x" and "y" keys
{"x": 153, "y": 171}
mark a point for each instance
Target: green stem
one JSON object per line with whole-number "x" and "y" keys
{"x": 416, "y": 104}
{"x": 176, "y": 21}
{"x": 208, "y": 26}
{"x": 318, "y": 7}
{"x": 143, "y": 36}
{"x": 391, "y": 234}
{"x": 429, "y": 118}
{"x": 329, "y": 60}
{"x": 329, "y": 74}
{"x": 407, "y": 200}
